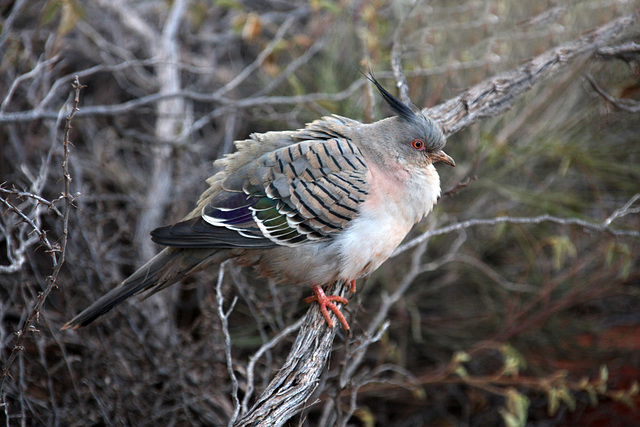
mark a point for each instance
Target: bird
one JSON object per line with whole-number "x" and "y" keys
{"x": 326, "y": 203}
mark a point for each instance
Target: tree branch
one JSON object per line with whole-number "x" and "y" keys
{"x": 496, "y": 95}
{"x": 604, "y": 227}
{"x": 289, "y": 390}
{"x": 627, "y": 105}
{"x": 57, "y": 251}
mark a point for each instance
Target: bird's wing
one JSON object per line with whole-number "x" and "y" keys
{"x": 307, "y": 191}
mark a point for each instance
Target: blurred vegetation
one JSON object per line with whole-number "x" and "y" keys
{"x": 519, "y": 323}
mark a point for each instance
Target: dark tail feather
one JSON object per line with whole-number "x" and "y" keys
{"x": 163, "y": 270}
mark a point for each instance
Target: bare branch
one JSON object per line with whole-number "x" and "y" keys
{"x": 24, "y": 194}
{"x": 292, "y": 67}
{"x": 133, "y": 21}
{"x": 626, "y": 52}
{"x": 627, "y": 105}
{"x": 57, "y": 251}
{"x": 497, "y": 94}
{"x": 379, "y": 323}
{"x": 229, "y": 104}
{"x": 224, "y": 320}
{"x": 463, "y": 184}
{"x": 246, "y": 72}
{"x": 7, "y": 25}
{"x": 31, "y": 74}
{"x": 289, "y": 390}
{"x": 258, "y": 354}
{"x": 41, "y": 234}
{"x": 604, "y": 227}
{"x": 169, "y": 120}
{"x": 623, "y": 211}
{"x": 396, "y": 60}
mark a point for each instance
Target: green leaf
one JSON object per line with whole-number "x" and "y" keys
{"x": 562, "y": 247}
{"x": 71, "y": 14}
{"x": 514, "y": 361}
{"x": 461, "y": 357}
{"x": 229, "y": 4}
{"x": 553, "y": 401}
{"x": 51, "y": 10}
{"x": 366, "y": 417}
{"x": 601, "y": 386}
{"x": 461, "y": 371}
{"x": 499, "y": 230}
{"x": 565, "y": 396}
{"x": 620, "y": 252}
{"x": 516, "y": 412}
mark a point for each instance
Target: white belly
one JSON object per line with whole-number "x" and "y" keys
{"x": 369, "y": 241}
{"x": 396, "y": 203}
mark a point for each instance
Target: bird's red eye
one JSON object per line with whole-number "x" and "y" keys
{"x": 418, "y": 144}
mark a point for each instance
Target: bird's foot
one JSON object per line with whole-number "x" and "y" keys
{"x": 326, "y": 302}
{"x": 352, "y": 289}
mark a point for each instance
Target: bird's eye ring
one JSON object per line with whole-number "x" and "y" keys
{"x": 418, "y": 144}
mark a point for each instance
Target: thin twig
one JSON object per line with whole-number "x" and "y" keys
{"x": 628, "y": 105}
{"x": 293, "y": 66}
{"x": 396, "y": 56}
{"x": 224, "y": 320}
{"x": 41, "y": 200}
{"x": 56, "y": 251}
{"x": 454, "y": 190}
{"x": 36, "y": 229}
{"x": 623, "y": 211}
{"x": 605, "y": 228}
{"x": 258, "y": 354}
{"x": 626, "y": 51}
{"x": 246, "y": 72}
{"x": 31, "y": 74}
{"x": 356, "y": 356}
{"x": 498, "y": 94}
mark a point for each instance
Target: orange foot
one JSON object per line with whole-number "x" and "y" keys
{"x": 352, "y": 289}
{"x": 326, "y": 301}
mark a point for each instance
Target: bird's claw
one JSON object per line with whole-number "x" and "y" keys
{"x": 326, "y": 301}
{"x": 352, "y": 289}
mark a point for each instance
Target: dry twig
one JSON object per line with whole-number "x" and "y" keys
{"x": 496, "y": 95}
{"x": 628, "y": 105}
{"x": 57, "y": 250}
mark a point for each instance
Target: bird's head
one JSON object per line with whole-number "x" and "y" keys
{"x": 419, "y": 139}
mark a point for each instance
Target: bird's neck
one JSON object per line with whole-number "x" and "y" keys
{"x": 410, "y": 194}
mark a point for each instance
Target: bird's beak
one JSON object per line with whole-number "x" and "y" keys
{"x": 441, "y": 156}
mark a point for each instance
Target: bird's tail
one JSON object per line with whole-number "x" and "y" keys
{"x": 166, "y": 268}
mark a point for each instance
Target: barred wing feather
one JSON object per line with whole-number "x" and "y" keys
{"x": 307, "y": 191}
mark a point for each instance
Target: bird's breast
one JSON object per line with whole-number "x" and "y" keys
{"x": 396, "y": 202}
{"x": 369, "y": 241}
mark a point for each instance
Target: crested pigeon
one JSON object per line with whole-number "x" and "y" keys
{"x": 326, "y": 203}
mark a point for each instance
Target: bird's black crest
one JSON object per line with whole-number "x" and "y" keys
{"x": 401, "y": 109}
